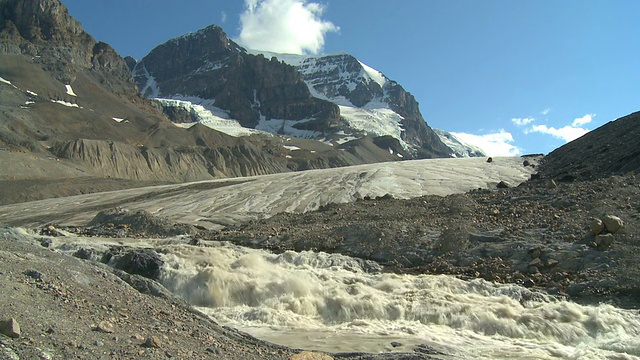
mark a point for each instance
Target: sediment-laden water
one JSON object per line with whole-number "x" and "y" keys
{"x": 337, "y": 303}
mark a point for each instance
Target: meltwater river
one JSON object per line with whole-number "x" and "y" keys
{"x": 336, "y": 303}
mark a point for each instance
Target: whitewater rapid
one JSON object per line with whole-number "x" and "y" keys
{"x": 336, "y": 303}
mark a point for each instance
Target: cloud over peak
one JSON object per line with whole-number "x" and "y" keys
{"x": 284, "y": 26}
{"x": 498, "y": 143}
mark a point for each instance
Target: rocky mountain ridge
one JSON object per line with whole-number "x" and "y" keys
{"x": 333, "y": 98}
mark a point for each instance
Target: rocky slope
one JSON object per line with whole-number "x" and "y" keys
{"x": 611, "y": 149}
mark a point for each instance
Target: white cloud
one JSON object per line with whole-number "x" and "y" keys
{"x": 494, "y": 144}
{"x": 522, "y": 121}
{"x": 582, "y": 120}
{"x": 223, "y": 17}
{"x": 285, "y": 26}
{"x": 545, "y": 111}
{"x": 568, "y": 132}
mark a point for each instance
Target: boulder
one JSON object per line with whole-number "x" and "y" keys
{"x": 152, "y": 342}
{"x": 105, "y": 326}
{"x": 596, "y": 226}
{"x": 145, "y": 262}
{"x": 604, "y": 240}
{"x": 10, "y": 327}
{"x": 612, "y": 223}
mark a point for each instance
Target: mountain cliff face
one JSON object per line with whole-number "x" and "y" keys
{"x": 207, "y": 65}
{"x": 44, "y": 30}
{"x": 363, "y": 92}
{"x": 334, "y": 98}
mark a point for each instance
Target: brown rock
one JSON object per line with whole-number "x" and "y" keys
{"x": 309, "y": 355}
{"x": 105, "y": 326}
{"x": 535, "y": 262}
{"x": 10, "y": 327}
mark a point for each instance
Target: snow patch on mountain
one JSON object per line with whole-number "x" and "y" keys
{"x": 374, "y": 120}
{"x": 65, "y": 103}
{"x": 207, "y": 115}
{"x": 460, "y": 148}
{"x": 70, "y": 90}
{"x": 374, "y": 74}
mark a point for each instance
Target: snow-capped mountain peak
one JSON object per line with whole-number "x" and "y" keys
{"x": 326, "y": 97}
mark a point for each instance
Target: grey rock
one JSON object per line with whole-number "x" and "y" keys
{"x": 35, "y": 274}
{"x": 10, "y": 328}
{"x": 502, "y": 185}
{"x": 604, "y": 240}
{"x": 152, "y": 342}
{"x": 145, "y": 262}
{"x": 9, "y": 354}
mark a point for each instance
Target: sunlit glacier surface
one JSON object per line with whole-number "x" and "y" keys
{"x": 220, "y": 202}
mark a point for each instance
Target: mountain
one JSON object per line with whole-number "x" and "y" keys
{"x": 459, "y": 148}
{"x": 333, "y": 98}
{"x": 73, "y": 118}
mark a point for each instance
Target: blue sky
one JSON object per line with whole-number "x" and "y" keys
{"x": 514, "y": 77}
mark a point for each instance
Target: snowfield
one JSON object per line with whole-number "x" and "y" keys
{"x": 70, "y": 90}
{"x": 216, "y": 203}
{"x": 206, "y": 114}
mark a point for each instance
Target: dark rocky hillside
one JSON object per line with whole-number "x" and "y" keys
{"x": 613, "y": 148}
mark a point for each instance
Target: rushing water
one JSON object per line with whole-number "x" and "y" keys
{"x": 329, "y": 302}
{"x": 336, "y": 303}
